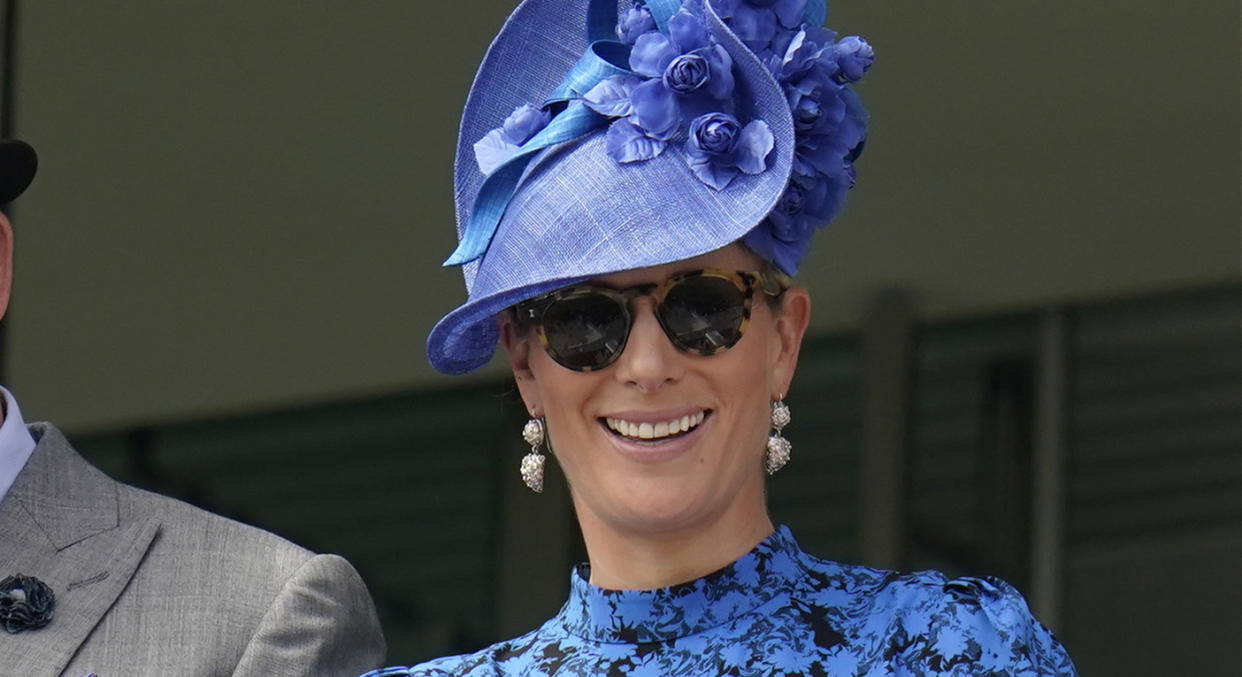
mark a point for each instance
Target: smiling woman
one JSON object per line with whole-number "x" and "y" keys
{"x": 664, "y": 446}
{"x": 634, "y": 191}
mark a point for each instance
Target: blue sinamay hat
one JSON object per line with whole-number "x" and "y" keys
{"x": 602, "y": 136}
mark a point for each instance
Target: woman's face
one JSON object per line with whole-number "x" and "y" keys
{"x": 692, "y": 479}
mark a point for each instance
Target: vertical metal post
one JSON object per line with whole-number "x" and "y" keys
{"x": 8, "y": 48}
{"x": 1048, "y": 463}
{"x": 885, "y": 381}
{"x": 1005, "y": 470}
{"x": 8, "y": 32}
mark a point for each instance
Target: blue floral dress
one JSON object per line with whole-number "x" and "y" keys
{"x": 779, "y": 611}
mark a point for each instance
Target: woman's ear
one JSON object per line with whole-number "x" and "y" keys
{"x": 516, "y": 341}
{"x": 791, "y": 319}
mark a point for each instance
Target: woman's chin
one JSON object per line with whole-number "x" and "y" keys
{"x": 659, "y": 505}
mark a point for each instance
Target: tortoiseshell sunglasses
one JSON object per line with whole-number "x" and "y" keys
{"x": 703, "y": 312}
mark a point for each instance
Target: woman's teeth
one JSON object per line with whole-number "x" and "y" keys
{"x": 655, "y": 431}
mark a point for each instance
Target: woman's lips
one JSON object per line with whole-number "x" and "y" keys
{"x": 659, "y": 429}
{"x": 655, "y": 449}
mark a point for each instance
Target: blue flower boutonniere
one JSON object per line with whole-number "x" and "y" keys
{"x": 26, "y": 603}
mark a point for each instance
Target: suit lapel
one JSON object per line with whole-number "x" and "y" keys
{"x": 62, "y": 523}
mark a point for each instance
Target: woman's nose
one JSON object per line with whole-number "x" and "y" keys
{"x": 649, "y": 361}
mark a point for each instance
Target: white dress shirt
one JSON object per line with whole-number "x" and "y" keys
{"x": 16, "y": 444}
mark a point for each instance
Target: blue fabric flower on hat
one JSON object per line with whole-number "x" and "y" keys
{"x": 815, "y": 71}
{"x": 498, "y": 145}
{"x": 719, "y": 148}
{"x": 676, "y": 75}
{"x": 829, "y": 124}
{"x": 759, "y": 22}
{"x": 675, "y": 78}
{"x": 687, "y": 60}
{"x": 854, "y": 57}
{"x": 807, "y": 202}
{"x": 634, "y": 22}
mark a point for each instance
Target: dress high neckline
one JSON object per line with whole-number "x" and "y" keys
{"x": 663, "y": 614}
{"x": 778, "y": 611}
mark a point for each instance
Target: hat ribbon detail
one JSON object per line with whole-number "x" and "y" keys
{"x": 662, "y": 11}
{"x": 604, "y": 58}
{"x": 574, "y": 122}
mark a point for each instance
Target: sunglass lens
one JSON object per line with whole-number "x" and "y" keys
{"x": 703, "y": 313}
{"x": 585, "y": 331}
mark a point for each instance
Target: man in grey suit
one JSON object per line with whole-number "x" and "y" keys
{"x": 144, "y": 584}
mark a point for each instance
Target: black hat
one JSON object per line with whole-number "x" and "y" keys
{"x": 18, "y": 163}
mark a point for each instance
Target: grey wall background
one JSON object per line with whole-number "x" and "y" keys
{"x": 243, "y": 205}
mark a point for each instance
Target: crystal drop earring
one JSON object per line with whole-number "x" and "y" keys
{"x": 532, "y": 463}
{"x": 777, "y": 453}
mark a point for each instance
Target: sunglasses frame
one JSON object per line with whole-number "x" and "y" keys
{"x": 746, "y": 282}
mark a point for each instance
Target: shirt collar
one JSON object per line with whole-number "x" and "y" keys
{"x": 16, "y": 443}
{"x": 633, "y": 616}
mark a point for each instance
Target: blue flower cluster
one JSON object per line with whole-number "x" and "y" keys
{"x": 815, "y": 70}
{"x": 680, "y": 87}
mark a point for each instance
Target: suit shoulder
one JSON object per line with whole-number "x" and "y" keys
{"x": 56, "y": 470}
{"x": 192, "y": 531}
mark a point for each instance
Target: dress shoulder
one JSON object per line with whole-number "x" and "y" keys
{"x": 930, "y": 624}
{"x": 988, "y": 618}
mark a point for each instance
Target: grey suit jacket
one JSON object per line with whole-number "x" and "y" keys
{"x": 147, "y": 585}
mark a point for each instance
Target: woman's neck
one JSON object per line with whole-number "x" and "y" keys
{"x": 641, "y": 560}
